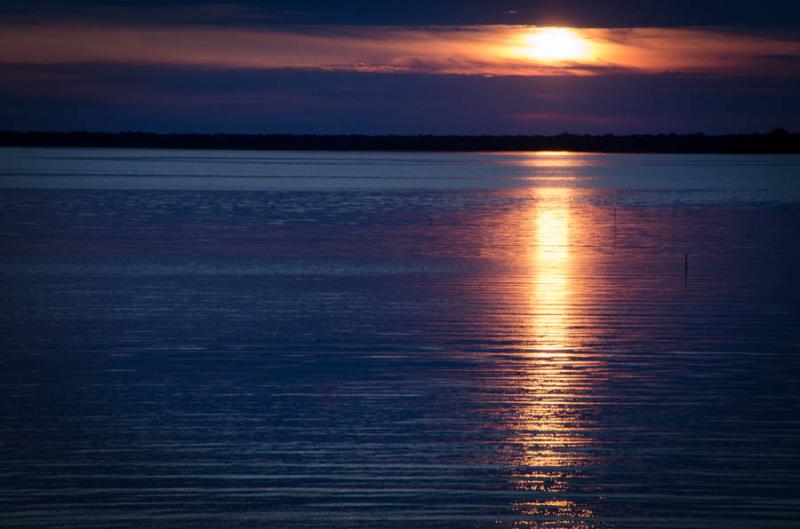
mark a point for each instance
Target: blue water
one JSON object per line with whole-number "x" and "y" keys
{"x": 272, "y": 339}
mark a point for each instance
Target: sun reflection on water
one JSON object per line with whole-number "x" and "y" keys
{"x": 551, "y": 266}
{"x": 554, "y": 378}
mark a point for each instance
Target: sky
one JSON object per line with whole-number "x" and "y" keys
{"x": 411, "y": 67}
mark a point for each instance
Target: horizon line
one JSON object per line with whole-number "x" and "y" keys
{"x": 777, "y": 141}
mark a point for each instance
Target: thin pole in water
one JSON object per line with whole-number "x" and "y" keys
{"x": 685, "y": 269}
{"x": 615, "y": 227}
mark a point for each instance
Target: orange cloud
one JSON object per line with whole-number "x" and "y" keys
{"x": 466, "y": 50}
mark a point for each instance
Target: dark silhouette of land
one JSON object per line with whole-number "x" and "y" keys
{"x": 777, "y": 141}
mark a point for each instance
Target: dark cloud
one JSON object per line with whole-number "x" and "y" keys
{"x": 587, "y": 13}
{"x": 116, "y": 97}
{"x": 132, "y": 13}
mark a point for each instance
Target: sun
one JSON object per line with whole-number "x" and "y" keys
{"x": 557, "y": 45}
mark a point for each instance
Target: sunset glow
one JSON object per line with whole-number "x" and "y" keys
{"x": 557, "y": 44}
{"x": 466, "y": 50}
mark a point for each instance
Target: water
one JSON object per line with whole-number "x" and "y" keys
{"x": 262, "y": 339}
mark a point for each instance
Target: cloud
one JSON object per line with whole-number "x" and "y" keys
{"x": 166, "y": 13}
{"x": 174, "y": 99}
{"x": 575, "y": 13}
{"x": 461, "y": 50}
{"x": 564, "y": 120}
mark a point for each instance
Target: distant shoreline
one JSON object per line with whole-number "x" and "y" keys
{"x": 778, "y": 141}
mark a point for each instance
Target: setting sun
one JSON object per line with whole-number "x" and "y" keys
{"x": 557, "y": 44}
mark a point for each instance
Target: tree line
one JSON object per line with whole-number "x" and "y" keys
{"x": 776, "y": 141}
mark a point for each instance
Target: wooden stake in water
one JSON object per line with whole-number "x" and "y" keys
{"x": 685, "y": 269}
{"x": 615, "y": 228}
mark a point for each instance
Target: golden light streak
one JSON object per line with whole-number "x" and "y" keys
{"x": 555, "y": 376}
{"x": 538, "y": 306}
{"x": 551, "y": 266}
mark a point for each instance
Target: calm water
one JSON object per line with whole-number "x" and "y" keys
{"x": 265, "y": 339}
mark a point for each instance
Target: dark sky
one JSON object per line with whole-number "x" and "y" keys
{"x": 398, "y": 67}
{"x": 587, "y": 13}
